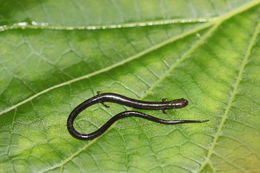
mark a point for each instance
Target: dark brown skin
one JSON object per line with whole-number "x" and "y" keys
{"x": 116, "y": 98}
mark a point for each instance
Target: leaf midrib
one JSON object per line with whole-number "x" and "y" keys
{"x": 232, "y": 98}
{"x": 127, "y": 60}
{"x": 46, "y": 26}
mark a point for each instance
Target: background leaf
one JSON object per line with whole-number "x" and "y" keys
{"x": 56, "y": 54}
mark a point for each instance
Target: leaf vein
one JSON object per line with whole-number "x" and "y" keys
{"x": 185, "y": 56}
{"x": 136, "y": 56}
{"x": 232, "y": 98}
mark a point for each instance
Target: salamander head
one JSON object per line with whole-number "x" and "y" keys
{"x": 179, "y": 103}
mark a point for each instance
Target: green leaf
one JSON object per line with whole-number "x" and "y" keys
{"x": 56, "y": 54}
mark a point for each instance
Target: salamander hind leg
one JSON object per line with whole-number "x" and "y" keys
{"x": 98, "y": 93}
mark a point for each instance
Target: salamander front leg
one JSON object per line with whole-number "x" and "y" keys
{"x": 105, "y": 105}
{"x": 164, "y": 100}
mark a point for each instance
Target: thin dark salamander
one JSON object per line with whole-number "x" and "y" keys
{"x": 116, "y": 98}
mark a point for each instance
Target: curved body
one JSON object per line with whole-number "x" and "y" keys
{"x": 121, "y": 115}
{"x": 116, "y": 98}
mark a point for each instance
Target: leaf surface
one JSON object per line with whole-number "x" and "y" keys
{"x": 54, "y": 55}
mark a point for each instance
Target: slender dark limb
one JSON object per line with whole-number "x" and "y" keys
{"x": 121, "y": 115}
{"x": 164, "y": 111}
{"x": 164, "y": 100}
{"x": 105, "y": 105}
